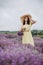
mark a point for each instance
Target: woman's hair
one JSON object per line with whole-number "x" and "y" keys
{"x": 28, "y": 22}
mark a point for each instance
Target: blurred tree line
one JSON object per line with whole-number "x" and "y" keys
{"x": 34, "y": 32}
{"x": 37, "y": 32}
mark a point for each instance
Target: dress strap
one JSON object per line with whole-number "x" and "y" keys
{"x": 30, "y": 24}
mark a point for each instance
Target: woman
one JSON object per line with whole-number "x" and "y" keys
{"x": 27, "y": 23}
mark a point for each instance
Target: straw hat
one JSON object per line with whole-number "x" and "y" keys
{"x": 27, "y": 15}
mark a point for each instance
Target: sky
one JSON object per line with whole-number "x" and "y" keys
{"x": 12, "y": 10}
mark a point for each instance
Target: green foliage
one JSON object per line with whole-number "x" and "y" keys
{"x": 34, "y": 32}
{"x": 37, "y": 32}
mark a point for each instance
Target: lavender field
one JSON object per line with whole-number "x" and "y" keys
{"x": 13, "y": 52}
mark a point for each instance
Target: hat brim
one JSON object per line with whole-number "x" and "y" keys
{"x": 27, "y": 15}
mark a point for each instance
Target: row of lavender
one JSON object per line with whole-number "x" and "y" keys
{"x": 13, "y": 52}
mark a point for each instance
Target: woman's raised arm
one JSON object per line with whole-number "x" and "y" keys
{"x": 21, "y": 29}
{"x": 32, "y": 21}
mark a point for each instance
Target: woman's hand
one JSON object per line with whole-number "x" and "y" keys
{"x": 24, "y": 29}
{"x": 32, "y": 21}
